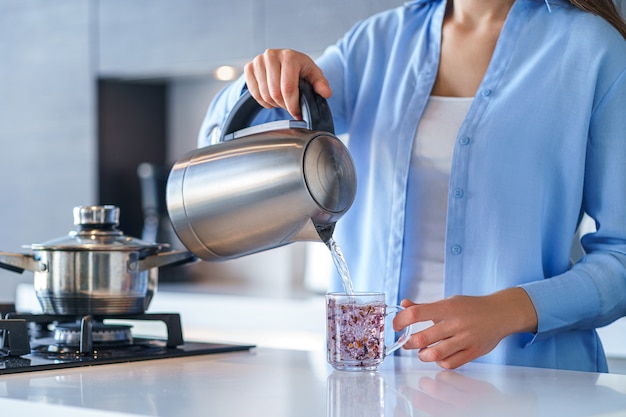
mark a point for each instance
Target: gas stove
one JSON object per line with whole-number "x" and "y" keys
{"x": 33, "y": 342}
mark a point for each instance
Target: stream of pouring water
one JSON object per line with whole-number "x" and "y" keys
{"x": 341, "y": 265}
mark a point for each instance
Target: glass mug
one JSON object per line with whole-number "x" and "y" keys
{"x": 355, "y": 330}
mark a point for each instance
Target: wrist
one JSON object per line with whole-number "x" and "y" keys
{"x": 519, "y": 310}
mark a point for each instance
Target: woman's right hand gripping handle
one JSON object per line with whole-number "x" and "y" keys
{"x": 272, "y": 79}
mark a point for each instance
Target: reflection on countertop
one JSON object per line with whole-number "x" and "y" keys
{"x": 287, "y": 383}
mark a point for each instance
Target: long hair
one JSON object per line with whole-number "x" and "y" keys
{"x": 605, "y": 9}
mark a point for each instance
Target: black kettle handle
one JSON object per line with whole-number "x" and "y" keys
{"x": 315, "y": 111}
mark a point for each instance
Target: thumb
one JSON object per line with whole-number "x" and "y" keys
{"x": 322, "y": 88}
{"x": 314, "y": 76}
{"x": 407, "y": 303}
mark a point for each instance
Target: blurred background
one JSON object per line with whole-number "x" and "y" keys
{"x": 92, "y": 89}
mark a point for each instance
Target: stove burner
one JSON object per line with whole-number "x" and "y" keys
{"x": 32, "y": 342}
{"x": 69, "y": 334}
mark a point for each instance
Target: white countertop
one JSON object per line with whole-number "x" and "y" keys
{"x": 277, "y": 322}
{"x": 287, "y": 375}
{"x": 289, "y": 383}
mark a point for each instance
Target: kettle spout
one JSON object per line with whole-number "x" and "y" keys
{"x": 325, "y": 231}
{"x": 310, "y": 232}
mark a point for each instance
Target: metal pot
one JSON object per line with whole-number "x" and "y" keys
{"x": 262, "y": 186}
{"x": 95, "y": 269}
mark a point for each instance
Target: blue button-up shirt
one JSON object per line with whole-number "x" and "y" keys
{"x": 544, "y": 141}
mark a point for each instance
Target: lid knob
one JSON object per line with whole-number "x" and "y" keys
{"x": 90, "y": 216}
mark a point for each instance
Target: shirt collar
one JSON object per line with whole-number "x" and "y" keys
{"x": 420, "y": 2}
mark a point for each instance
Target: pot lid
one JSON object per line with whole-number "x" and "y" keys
{"x": 96, "y": 230}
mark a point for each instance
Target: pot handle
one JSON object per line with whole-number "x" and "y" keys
{"x": 315, "y": 111}
{"x": 163, "y": 259}
{"x": 19, "y": 262}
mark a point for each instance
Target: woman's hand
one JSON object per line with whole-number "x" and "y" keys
{"x": 466, "y": 327}
{"x": 272, "y": 79}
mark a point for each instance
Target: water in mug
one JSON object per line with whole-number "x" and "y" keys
{"x": 355, "y": 333}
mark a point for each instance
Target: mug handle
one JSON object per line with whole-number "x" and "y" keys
{"x": 404, "y": 337}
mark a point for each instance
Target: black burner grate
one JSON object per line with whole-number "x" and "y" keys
{"x": 26, "y": 345}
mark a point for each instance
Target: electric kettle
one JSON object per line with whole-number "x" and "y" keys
{"x": 262, "y": 186}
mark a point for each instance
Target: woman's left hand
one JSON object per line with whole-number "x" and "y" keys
{"x": 466, "y": 327}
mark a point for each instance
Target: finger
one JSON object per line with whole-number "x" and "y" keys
{"x": 407, "y": 303}
{"x": 456, "y": 360}
{"x": 274, "y": 62}
{"x": 447, "y": 354}
{"x": 256, "y": 81}
{"x": 441, "y": 350}
{"x": 251, "y": 82}
{"x": 302, "y": 67}
{"x": 322, "y": 87}
{"x": 414, "y": 313}
{"x": 268, "y": 70}
{"x": 308, "y": 70}
{"x": 426, "y": 337}
{"x": 290, "y": 75}
{"x": 314, "y": 75}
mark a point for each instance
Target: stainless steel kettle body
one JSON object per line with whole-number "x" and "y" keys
{"x": 263, "y": 186}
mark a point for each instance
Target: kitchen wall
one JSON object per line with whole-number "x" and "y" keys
{"x": 47, "y": 140}
{"x": 54, "y": 52}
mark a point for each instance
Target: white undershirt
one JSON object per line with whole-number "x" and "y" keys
{"x": 427, "y": 196}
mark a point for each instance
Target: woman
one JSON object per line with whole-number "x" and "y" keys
{"x": 482, "y": 131}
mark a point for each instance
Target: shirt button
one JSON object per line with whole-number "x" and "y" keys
{"x": 456, "y": 250}
{"x": 458, "y": 193}
{"x": 465, "y": 140}
{"x": 486, "y": 92}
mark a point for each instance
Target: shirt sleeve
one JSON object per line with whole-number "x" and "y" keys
{"x": 218, "y": 111}
{"x": 593, "y": 292}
